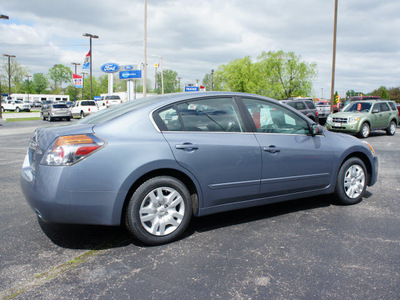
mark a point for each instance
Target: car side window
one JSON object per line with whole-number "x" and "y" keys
{"x": 272, "y": 118}
{"x": 300, "y": 106}
{"x": 216, "y": 115}
{"x": 170, "y": 119}
{"x": 384, "y": 107}
{"x": 392, "y": 105}
{"x": 376, "y": 107}
{"x": 310, "y": 104}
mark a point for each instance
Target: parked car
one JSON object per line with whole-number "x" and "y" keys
{"x": 15, "y": 105}
{"x": 84, "y": 108}
{"x": 324, "y": 109}
{"x": 398, "y": 108}
{"x": 360, "y": 117}
{"x": 108, "y": 101}
{"x": 154, "y": 163}
{"x": 55, "y": 111}
{"x": 305, "y": 106}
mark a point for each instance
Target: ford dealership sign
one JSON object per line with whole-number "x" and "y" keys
{"x": 110, "y": 68}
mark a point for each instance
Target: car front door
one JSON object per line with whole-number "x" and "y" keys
{"x": 293, "y": 160}
{"x": 209, "y": 139}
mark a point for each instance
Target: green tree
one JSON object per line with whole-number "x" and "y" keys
{"x": 59, "y": 74}
{"x": 284, "y": 74}
{"x": 39, "y": 83}
{"x": 170, "y": 82}
{"x": 17, "y": 75}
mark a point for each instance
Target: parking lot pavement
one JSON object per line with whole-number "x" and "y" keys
{"x": 304, "y": 249}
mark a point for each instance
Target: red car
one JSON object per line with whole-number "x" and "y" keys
{"x": 398, "y": 108}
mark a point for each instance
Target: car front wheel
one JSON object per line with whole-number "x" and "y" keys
{"x": 365, "y": 130}
{"x": 159, "y": 211}
{"x": 391, "y": 130}
{"x": 351, "y": 181}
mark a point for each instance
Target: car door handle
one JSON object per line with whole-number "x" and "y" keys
{"x": 271, "y": 149}
{"x": 187, "y": 147}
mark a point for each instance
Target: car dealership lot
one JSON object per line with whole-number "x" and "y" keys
{"x": 308, "y": 248}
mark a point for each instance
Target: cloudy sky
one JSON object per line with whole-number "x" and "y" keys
{"x": 196, "y": 36}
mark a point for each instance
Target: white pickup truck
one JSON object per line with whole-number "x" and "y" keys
{"x": 324, "y": 109}
{"x": 84, "y": 108}
{"x": 15, "y": 105}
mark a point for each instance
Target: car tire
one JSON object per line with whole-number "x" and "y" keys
{"x": 17, "y": 109}
{"x": 82, "y": 114}
{"x": 364, "y": 131}
{"x": 351, "y": 182}
{"x": 68, "y": 119}
{"x": 391, "y": 130}
{"x": 50, "y": 118}
{"x": 43, "y": 117}
{"x": 159, "y": 211}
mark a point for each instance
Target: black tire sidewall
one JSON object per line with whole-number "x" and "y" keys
{"x": 132, "y": 218}
{"x": 341, "y": 196}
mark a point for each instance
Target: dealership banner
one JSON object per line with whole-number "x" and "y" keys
{"x": 86, "y": 62}
{"x": 77, "y": 80}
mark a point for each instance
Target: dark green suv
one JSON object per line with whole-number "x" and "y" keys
{"x": 361, "y": 117}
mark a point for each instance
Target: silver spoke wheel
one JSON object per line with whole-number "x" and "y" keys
{"x": 354, "y": 181}
{"x": 365, "y": 131}
{"x": 162, "y": 211}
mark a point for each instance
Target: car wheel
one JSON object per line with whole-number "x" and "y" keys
{"x": 364, "y": 131}
{"x": 50, "y": 118}
{"x": 391, "y": 130}
{"x": 17, "y": 109}
{"x": 351, "y": 181}
{"x": 43, "y": 117}
{"x": 68, "y": 119}
{"x": 159, "y": 211}
{"x": 82, "y": 114}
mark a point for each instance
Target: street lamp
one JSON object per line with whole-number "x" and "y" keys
{"x": 9, "y": 73}
{"x": 29, "y": 76}
{"x": 83, "y": 82}
{"x": 78, "y": 64}
{"x": 91, "y": 36}
{"x": 162, "y": 73}
{"x": 5, "y": 18}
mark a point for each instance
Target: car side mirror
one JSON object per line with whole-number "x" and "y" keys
{"x": 316, "y": 129}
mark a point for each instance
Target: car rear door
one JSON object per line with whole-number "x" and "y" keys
{"x": 209, "y": 139}
{"x": 293, "y": 160}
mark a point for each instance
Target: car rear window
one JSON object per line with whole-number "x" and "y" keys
{"x": 60, "y": 106}
{"x": 88, "y": 103}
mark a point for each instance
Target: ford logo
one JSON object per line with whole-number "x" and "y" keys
{"x": 128, "y": 67}
{"x": 110, "y": 68}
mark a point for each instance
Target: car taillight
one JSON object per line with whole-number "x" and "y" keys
{"x": 316, "y": 112}
{"x": 67, "y": 150}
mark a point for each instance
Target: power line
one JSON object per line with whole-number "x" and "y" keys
{"x": 68, "y": 45}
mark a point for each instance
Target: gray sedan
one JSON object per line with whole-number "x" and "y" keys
{"x": 154, "y": 163}
{"x": 55, "y": 111}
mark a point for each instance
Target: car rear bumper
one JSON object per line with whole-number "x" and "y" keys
{"x": 52, "y": 202}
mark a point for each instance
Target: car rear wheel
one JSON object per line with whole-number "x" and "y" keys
{"x": 351, "y": 181}
{"x": 82, "y": 114}
{"x": 364, "y": 131}
{"x": 17, "y": 109}
{"x": 391, "y": 130}
{"x": 159, "y": 211}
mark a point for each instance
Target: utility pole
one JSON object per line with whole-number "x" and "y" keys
{"x": 5, "y": 18}
{"x": 78, "y": 64}
{"x": 212, "y": 83}
{"x": 29, "y": 76}
{"x": 9, "y": 73}
{"x": 334, "y": 56}
{"x": 179, "y": 83}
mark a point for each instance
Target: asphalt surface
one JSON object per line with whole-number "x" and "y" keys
{"x": 304, "y": 249}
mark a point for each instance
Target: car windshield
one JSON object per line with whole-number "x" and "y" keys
{"x": 358, "y": 106}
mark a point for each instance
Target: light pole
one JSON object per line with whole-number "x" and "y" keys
{"x": 162, "y": 73}
{"x": 9, "y": 73}
{"x": 179, "y": 83}
{"x": 91, "y": 36}
{"x": 334, "y": 56}
{"x": 29, "y": 76}
{"x": 78, "y": 64}
{"x": 5, "y": 18}
{"x": 83, "y": 82}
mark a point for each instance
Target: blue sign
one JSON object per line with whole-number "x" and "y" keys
{"x": 110, "y": 68}
{"x": 191, "y": 88}
{"x": 96, "y": 98}
{"x": 128, "y": 67}
{"x": 132, "y": 74}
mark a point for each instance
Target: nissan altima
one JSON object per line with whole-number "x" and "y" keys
{"x": 154, "y": 163}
